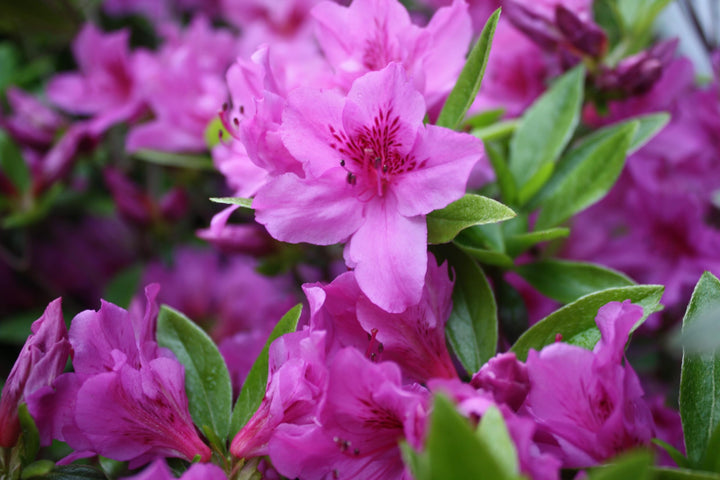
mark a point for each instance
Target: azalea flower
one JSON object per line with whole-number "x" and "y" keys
{"x": 119, "y": 368}
{"x": 41, "y": 360}
{"x": 373, "y": 171}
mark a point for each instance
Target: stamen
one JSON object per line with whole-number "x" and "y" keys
{"x": 351, "y": 178}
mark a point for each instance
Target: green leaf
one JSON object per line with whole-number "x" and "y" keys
{"x": 566, "y": 281}
{"x": 182, "y": 160}
{"x": 674, "y": 453}
{"x": 584, "y": 176}
{"x": 124, "y": 286}
{"x": 483, "y": 236}
{"x": 39, "y": 468}
{"x": 665, "y": 473}
{"x": 485, "y": 118}
{"x": 488, "y": 257}
{"x": 243, "y": 202}
{"x": 494, "y": 433}
{"x": 30, "y": 436}
{"x": 12, "y": 163}
{"x": 215, "y": 132}
{"x": 495, "y": 131}
{"x": 700, "y": 377}
{"x": 472, "y": 329}
{"x": 544, "y": 131}
{"x": 516, "y": 244}
{"x": 253, "y": 390}
{"x": 505, "y": 180}
{"x": 443, "y": 225}
{"x": 576, "y": 321}
{"x": 455, "y": 451}
{"x": 74, "y": 472}
{"x": 634, "y": 465}
{"x": 649, "y": 126}
{"x": 418, "y": 464}
{"x": 468, "y": 84}
{"x": 207, "y": 381}
{"x": 8, "y": 65}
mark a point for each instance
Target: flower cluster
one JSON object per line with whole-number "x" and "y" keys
{"x": 443, "y": 223}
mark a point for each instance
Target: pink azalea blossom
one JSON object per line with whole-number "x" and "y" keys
{"x": 297, "y": 381}
{"x": 158, "y": 470}
{"x": 105, "y": 87}
{"x": 413, "y": 339}
{"x": 590, "y": 402}
{"x": 373, "y": 171}
{"x": 364, "y": 415}
{"x": 370, "y": 34}
{"x": 119, "y": 367}
{"x": 183, "y": 104}
{"x": 41, "y": 360}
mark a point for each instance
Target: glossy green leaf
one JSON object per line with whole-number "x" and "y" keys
{"x": 73, "y": 472}
{"x": 455, "y": 451}
{"x": 253, "y": 390}
{"x": 443, "y": 225}
{"x": 30, "y": 437}
{"x": 649, "y": 126}
{"x": 503, "y": 175}
{"x": 576, "y": 321}
{"x": 665, "y": 473}
{"x": 634, "y": 465}
{"x": 544, "y": 131}
{"x": 472, "y": 329}
{"x": 182, "y": 160}
{"x": 483, "y": 236}
{"x": 700, "y": 377}
{"x": 566, "y": 281}
{"x": 585, "y": 176}
{"x": 677, "y": 457}
{"x": 9, "y": 62}
{"x": 39, "y": 468}
{"x": 485, "y": 118}
{"x": 12, "y": 163}
{"x": 207, "y": 381}
{"x": 468, "y": 84}
{"x": 243, "y": 202}
{"x": 494, "y": 433}
{"x": 496, "y": 130}
{"x": 516, "y": 244}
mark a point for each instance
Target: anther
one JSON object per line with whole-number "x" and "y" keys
{"x": 224, "y": 106}
{"x": 351, "y": 178}
{"x": 236, "y": 121}
{"x": 242, "y": 110}
{"x": 385, "y": 168}
{"x": 558, "y": 337}
{"x": 342, "y": 163}
{"x": 356, "y": 452}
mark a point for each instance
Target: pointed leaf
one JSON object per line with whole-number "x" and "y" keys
{"x": 468, "y": 84}
{"x": 665, "y": 473}
{"x": 634, "y": 465}
{"x": 30, "y": 435}
{"x": 576, "y": 321}
{"x": 472, "y": 329}
{"x": 243, "y": 202}
{"x": 455, "y": 451}
{"x": 443, "y": 225}
{"x": 12, "y": 163}
{"x": 516, "y": 244}
{"x": 566, "y": 281}
{"x": 207, "y": 381}
{"x": 504, "y": 177}
{"x": 544, "y": 131}
{"x": 674, "y": 453}
{"x": 700, "y": 376}
{"x": 584, "y": 176}
{"x": 253, "y": 390}
{"x": 493, "y": 431}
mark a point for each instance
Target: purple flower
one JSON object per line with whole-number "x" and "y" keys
{"x": 297, "y": 381}
{"x": 505, "y": 378}
{"x": 590, "y": 402}
{"x": 158, "y": 470}
{"x": 105, "y": 87}
{"x": 370, "y": 34}
{"x": 373, "y": 172}
{"x": 42, "y": 358}
{"x": 183, "y": 104}
{"x": 364, "y": 415}
{"x": 413, "y": 339}
{"x": 119, "y": 368}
